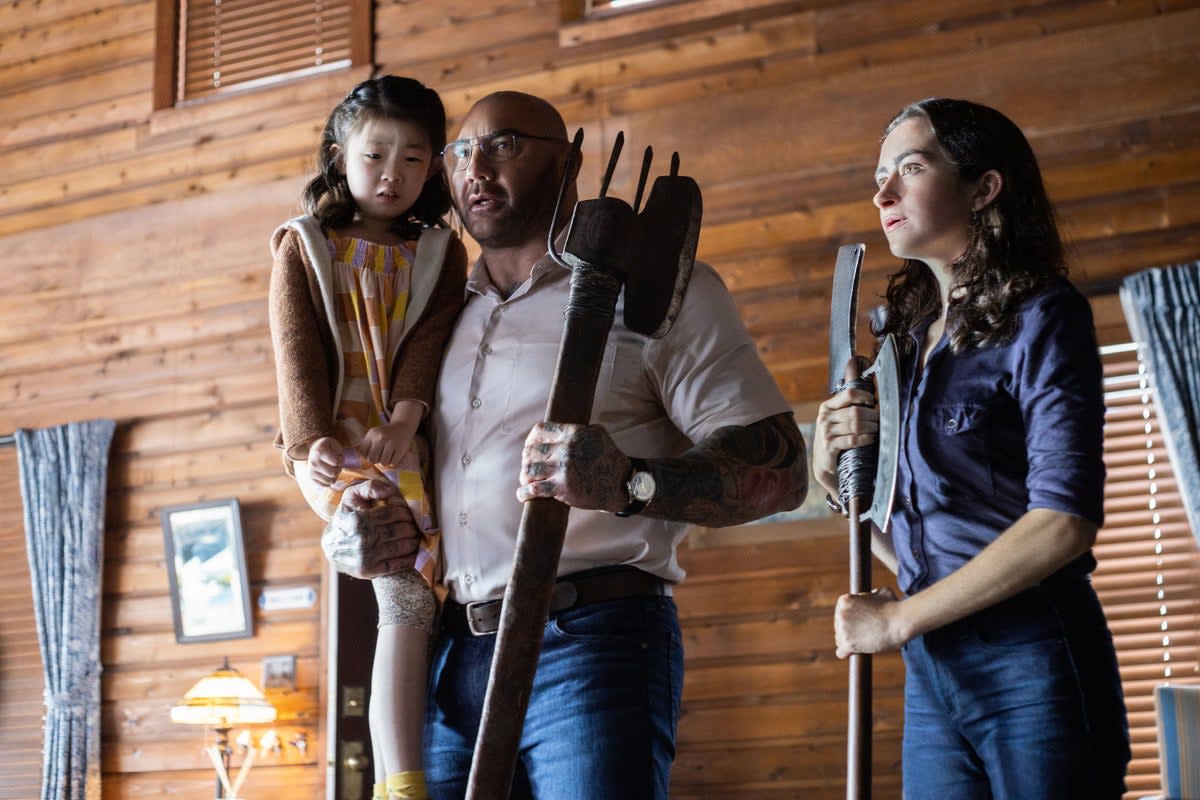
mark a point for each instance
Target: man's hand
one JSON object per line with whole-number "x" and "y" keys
{"x": 579, "y": 465}
{"x": 372, "y": 533}
{"x": 868, "y": 623}
{"x": 325, "y": 460}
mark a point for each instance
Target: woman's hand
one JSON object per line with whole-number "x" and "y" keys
{"x": 868, "y": 623}
{"x": 847, "y": 420}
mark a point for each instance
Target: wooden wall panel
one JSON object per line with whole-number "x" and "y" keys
{"x": 21, "y": 682}
{"x": 135, "y": 263}
{"x": 764, "y": 696}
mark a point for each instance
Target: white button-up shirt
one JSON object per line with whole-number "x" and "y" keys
{"x": 654, "y": 397}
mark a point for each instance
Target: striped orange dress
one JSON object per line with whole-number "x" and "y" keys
{"x": 372, "y": 286}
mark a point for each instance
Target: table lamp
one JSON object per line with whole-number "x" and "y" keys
{"x": 222, "y": 700}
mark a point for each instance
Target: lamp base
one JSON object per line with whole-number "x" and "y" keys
{"x": 220, "y": 754}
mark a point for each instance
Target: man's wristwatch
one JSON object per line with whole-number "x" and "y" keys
{"x": 641, "y": 488}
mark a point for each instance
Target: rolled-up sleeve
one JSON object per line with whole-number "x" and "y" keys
{"x": 1060, "y": 393}
{"x": 707, "y": 369}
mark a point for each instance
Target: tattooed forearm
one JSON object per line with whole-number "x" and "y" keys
{"x": 736, "y": 475}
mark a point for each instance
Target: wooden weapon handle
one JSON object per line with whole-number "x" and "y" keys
{"x": 855, "y": 472}
{"x": 589, "y": 316}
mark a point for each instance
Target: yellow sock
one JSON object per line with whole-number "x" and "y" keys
{"x": 379, "y": 791}
{"x": 407, "y": 786}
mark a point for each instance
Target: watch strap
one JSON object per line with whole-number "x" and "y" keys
{"x": 634, "y": 506}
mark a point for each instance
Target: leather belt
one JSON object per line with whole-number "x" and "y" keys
{"x": 570, "y": 591}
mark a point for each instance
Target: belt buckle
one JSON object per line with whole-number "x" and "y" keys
{"x": 563, "y": 596}
{"x": 473, "y": 622}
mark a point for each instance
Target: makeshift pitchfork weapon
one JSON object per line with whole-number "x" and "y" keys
{"x": 605, "y": 239}
{"x": 866, "y": 483}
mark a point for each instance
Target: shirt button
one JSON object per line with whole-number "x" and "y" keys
{"x": 462, "y": 518}
{"x": 486, "y": 349}
{"x": 466, "y": 459}
{"x": 468, "y": 579}
{"x": 476, "y": 403}
{"x": 951, "y": 424}
{"x": 916, "y": 553}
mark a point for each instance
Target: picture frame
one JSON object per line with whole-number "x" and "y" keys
{"x": 206, "y": 570}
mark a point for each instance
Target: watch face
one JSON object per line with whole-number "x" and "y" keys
{"x": 641, "y": 486}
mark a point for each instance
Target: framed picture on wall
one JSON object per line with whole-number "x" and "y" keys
{"x": 206, "y": 569}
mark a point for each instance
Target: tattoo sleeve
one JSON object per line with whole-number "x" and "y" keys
{"x": 735, "y": 475}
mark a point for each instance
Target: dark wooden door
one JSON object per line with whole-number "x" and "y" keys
{"x": 352, "y": 631}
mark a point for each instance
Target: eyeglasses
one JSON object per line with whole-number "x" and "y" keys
{"x": 497, "y": 147}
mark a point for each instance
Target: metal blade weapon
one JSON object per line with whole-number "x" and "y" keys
{"x": 866, "y": 484}
{"x": 608, "y": 244}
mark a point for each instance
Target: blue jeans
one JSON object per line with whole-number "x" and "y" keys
{"x": 1021, "y": 701}
{"x": 602, "y": 716}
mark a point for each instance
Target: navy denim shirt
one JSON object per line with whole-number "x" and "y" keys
{"x": 990, "y": 433}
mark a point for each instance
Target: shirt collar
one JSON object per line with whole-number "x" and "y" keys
{"x": 480, "y": 283}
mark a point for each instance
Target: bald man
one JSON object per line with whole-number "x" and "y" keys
{"x": 688, "y": 429}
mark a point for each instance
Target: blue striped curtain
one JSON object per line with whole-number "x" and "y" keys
{"x": 63, "y": 478}
{"x": 1162, "y": 307}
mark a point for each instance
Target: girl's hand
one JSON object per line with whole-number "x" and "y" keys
{"x": 386, "y": 444}
{"x": 325, "y": 460}
{"x": 844, "y": 421}
{"x": 579, "y": 465}
{"x": 868, "y": 623}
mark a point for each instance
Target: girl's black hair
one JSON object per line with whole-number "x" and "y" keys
{"x": 327, "y": 196}
{"x": 1014, "y": 249}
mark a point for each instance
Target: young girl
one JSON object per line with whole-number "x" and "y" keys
{"x": 1012, "y": 688}
{"x": 364, "y": 293}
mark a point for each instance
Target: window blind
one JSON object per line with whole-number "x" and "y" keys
{"x": 1148, "y": 576}
{"x": 603, "y": 6}
{"x": 227, "y": 45}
